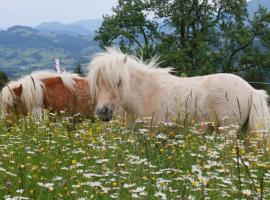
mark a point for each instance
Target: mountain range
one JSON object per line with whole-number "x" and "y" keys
{"x": 24, "y": 49}
{"x": 83, "y": 27}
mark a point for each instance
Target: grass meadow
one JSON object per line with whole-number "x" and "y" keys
{"x": 73, "y": 158}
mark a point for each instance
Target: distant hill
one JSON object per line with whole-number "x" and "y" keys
{"x": 56, "y": 27}
{"x": 23, "y": 49}
{"x": 83, "y": 27}
{"x": 90, "y": 24}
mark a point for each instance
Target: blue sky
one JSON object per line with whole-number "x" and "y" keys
{"x": 33, "y": 12}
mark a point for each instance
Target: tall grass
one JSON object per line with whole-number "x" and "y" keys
{"x": 72, "y": 158}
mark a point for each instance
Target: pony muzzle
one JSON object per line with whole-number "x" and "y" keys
{"x": 105, "y": 113}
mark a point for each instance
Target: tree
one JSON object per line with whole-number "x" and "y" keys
{"x": 3, "y": 79}
{"x": 195, "y": 37}
{"x": 130, "y": 28}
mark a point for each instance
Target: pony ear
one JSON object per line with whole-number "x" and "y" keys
{"x": 18, "y": 90}
{"x": 125, "y": 59}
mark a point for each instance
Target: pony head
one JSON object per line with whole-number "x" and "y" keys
{"x": 22, "y": 96}
{"x": 108, "y": 81}
{"x": 11, "y": 99}
{"x": 113, "y": 77}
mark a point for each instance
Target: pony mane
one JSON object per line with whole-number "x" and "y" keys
{"x": 6, "y": 96}
{"x": 113, "y": 65}
{"x": 31, "y": 97}
{"x": 66, "y": 77}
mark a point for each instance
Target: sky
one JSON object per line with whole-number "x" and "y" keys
{"x": 34, "y": 12}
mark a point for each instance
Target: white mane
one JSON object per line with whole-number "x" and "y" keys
{"x": 7, "y": 95}
{"x": 33, "y": 90}
{"x": 113, "y": 65}
{"x": 31, "y": 97}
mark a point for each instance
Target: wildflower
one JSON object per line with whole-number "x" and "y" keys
{"x": 162, "y": 183}
{"x": 91, "y": 132}
{"x": 160, "y": 195}
{"x": 135, "y": 196}
{"x": 20, "y": 191}
{"x": 143, "y": 130}
{"x": 74, "y": 162}
{"x": 114, "y": 184}
{"x": 145, "y": 178}
{"x": 138, "y": 190}
{"x": 49, "y": 186}
{"x": 161, "y": 136}
{"x": 93, "y": 184}
{"x": 115, "y": 196}
{"x": 196, "y": 169}
{"x": 246, "y": 192}
{"x": 101, "y": 161}
{"x": 128, "y": 185}
{"x": 15, "y": 198}
{"x": 194, "y": 183}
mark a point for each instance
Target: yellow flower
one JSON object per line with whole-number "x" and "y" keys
{"x": 172, "y": 133}
{"x": 98, "y": 129}
{"x": 74, "y": 162}
{"x": 194, "y": 183}
{"x": 161, "y": 150}
{"x": 91, "y": 132}
{"x": 114, "y": 184}
{"x": 31, "y": 192}
{"x": 145, "y": 178}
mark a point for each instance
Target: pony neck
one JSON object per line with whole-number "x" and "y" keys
{"x": 142, "y": 93}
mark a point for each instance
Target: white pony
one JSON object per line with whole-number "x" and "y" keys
{"x": 143, "y": 89}
{"x": 58, "y": 92}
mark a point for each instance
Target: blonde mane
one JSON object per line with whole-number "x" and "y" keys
{"x": 113, "y": 66}
{"x": 33, "y": 90}
{"x": 31, "y": 97}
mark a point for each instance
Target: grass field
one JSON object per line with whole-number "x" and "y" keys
{"x": 67, "y": 158}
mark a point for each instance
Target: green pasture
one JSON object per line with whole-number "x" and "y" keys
{"x": 74, "y": 158}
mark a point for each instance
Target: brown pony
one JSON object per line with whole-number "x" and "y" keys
{"x": 43, "y": 89}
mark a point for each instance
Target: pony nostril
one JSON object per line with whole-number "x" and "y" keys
{"x": 105, "y": 110}
{"x": 98, "y": 111}
{"x": 102, "y": 111}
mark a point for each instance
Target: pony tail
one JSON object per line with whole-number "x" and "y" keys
{"x": 68, "y": 80}
{"x": 259, "y": 115}
{"x": 32, "y": 94}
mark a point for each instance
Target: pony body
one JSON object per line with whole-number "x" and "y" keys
{"x": 57, "y": 92}
{"x": 144, "y": 90}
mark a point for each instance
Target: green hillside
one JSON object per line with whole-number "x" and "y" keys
{"x": 24, "y": 49}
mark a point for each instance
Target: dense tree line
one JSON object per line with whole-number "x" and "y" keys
{"x": 195, "y": 37}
